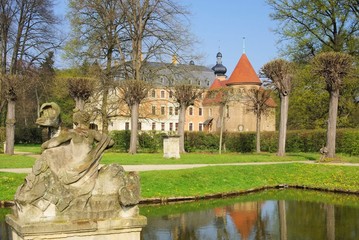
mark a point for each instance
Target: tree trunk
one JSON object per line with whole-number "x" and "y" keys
{"x": 221, "y": 130}
{"x": 284, "y": 103}
{"x": 258, "y": 129}
{"x": 10, "y": 127}
{"x": 134, "y": 128}
{"x": 181, "y": 121}
{"x": 80, "y": 104}
{"x": 332, "y": 123}
{"x": 330, "y": 220}
{"x": 104, "y": 111}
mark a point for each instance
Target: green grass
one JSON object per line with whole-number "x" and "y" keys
{"x": 16, "y": 161}
{"x": 30, "y": 148}
{"x": 210, "y": 180}
{"x": 202, "y": 158}
{"x": 9, "y": 182}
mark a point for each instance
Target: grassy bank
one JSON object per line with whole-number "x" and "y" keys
{"x": 210, "y": 180}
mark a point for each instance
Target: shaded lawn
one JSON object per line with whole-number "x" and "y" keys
{"x": 221, "y": 179}
{"x": 202, "y": 158}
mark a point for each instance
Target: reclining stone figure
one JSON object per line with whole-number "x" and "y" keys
{"x": 66, "y": 182}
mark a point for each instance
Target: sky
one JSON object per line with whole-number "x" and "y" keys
{"x": 222, "y": 25}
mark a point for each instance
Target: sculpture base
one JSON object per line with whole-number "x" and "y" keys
{"x": 89, "y": 229}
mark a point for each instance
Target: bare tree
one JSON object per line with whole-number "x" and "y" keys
{"x": 258, "y": 103}
{"x": 128, "y": 33}
{"x": 27, "y": 33}
{"x": 333, "y": 67}
{"x": 280, "y": 73}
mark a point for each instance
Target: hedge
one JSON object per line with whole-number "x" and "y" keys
{"x": 297, "y": 141}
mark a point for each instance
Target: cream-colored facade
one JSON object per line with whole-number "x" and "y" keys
{"x": 159, "y": 111}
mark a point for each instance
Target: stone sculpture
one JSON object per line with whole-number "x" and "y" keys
{"x": 66, "y": 182}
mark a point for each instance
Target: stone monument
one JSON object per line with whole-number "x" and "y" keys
{"x": 68, "y": 195}
{"x": 171, "y": 146}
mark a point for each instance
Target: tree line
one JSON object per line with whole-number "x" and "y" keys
{"x": 112, "y": 39}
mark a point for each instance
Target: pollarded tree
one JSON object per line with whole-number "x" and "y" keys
{"x": 258, "y": 103}
{"x": 333, "y": 67}
{"x": 132, "y": 92}
{"x": 80, "y": 90}
{"x": 185, "y": 95}
{"x": 280, "y": 73}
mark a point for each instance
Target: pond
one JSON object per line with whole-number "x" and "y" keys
{"x": 275, "y": 214}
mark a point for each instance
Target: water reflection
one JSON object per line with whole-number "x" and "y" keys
{"x": 270, "y": 219}
{"x": 303, "y": 215}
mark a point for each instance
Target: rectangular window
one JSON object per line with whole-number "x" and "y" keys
{"x": 171, "y": 94}
{"x": 190, "y": 127}
{"x": 162, "y": 126}
{"x": 176, "y": 126}
{"x": 153, "y": 126}
{"x": 139, "y": 126}
{"x": 127, "y": 126}
{"x": 210, "y": 112}
{"x": 153, "y": 110}
{"x": 153, "y": 93}
{"x": 200, "y": 127}
{"x": 227, "y": 108}
{"x": 176, "y": 111}
{"x": 163, "y": 110}
{"x": 162, "y": 94}
{"x": 190, "y": 111}
{"x": 170, "y": 111}
{"x": 171, "y": 126}
{"x": 200, "y": 111}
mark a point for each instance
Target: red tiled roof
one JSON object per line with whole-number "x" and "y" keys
{"x": 243, "y": 73}
{"x": 216, "y": 96}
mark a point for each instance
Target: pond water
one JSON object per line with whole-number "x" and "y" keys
{"x": 280, "y": 214}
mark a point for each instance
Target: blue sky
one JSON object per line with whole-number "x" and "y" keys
{"x": 221, "y": 26}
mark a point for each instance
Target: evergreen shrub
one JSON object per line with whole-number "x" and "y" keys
{"x": 122, "y": 140}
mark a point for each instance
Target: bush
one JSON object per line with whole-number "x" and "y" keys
{"x": 28, "y": 135}
{"x": 151, "y": 141}
{"x": 201, "y": 141}
{"x": 240, "y": 142}
{"x": 122, "y": 140}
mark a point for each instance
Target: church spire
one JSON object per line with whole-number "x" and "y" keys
{"x": 219, "y": 69}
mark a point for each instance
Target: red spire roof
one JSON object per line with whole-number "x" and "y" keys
{"x": 243, "y": 73}
{"x": 217, "y": 84}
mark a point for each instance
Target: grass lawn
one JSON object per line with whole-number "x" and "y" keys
{"x": 221, "y": 179}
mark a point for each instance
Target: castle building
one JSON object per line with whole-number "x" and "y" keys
{"x": 223, "y": 103}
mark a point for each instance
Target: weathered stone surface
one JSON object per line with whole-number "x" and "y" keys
{"x": 66, "y": 183}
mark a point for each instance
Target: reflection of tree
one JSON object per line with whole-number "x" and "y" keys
{"x": 330, "y": 214}
{"x": 221, "y": 224}
{"x": 261, "y": 224}
{"x": 282, "y": 220}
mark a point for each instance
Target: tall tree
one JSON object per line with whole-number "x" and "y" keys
{"x": 128, "y": 33}
{"x": 185, "y": 95}
{"x": 309, "y": 27}
{"x": 133, "y": 92}
{"x": 258, "y": 103}
{"x": 280, "y": 73}
{"x": 27, "y": 33}
{"x": 333, "y": 67}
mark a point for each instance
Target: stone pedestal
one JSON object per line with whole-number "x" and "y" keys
{"x": 87, "y": 229}
{"x": 171, "y": 147}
